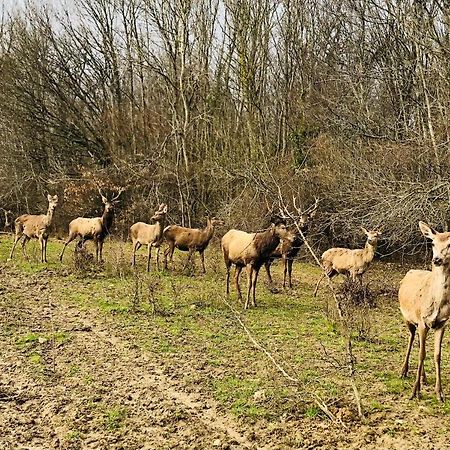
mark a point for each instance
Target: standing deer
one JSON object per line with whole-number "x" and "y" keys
{"x": 424, "y": 298}
{"x": 251, "y": 250}
{"x": 288, "y": 249}
{"x": 96, "y": 228}
{"x": 189, "y": 240}
{"x": 352, "y": 263}
{"x": 151, "y": 235}
{"x": 35, "y": 227}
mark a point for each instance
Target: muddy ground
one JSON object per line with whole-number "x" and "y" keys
{"x": 72, "y": 378}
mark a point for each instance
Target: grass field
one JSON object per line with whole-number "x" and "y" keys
{"x": 95, "y": 332}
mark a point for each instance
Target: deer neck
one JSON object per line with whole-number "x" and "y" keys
{"x": 266, "y": 242}
{"x": 49, "y": 215}
{"x": 369, "y": 251}
{"x": 208, "y": 231}
{"x": 107, "y": 219}
{"x": 159, "y": 225}
{"x": 438, "y": 310}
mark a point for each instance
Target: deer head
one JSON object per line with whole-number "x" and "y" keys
{"x": 160, "y": 213}
{"x": 441, "y": 244}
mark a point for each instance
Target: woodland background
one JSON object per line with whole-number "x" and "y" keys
{"x": 217, "y": 106}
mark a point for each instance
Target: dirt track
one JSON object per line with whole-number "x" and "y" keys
{"x": 77, "y": 381}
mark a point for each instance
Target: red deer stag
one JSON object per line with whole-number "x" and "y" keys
{"x": 96, "y": 228}
{"x": 424, "y": 298}
{"x": 251, "y": 250}
{"x": 189, "y": 240}
{"x": 150, "y": 235}
{"x": 288, "y": 249}
{"x": 35, "y": 227}
{"x": 352, "y": 263}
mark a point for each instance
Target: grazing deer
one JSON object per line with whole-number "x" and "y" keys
{"x": 288, "y": 249}
{"x": 35, "y": 227}
{"x": 424, "y": 298}
{"x": 251, "y": 250}
{"x": 189, "y": 240}
{"x": 96, "y": 228}
{"x": 352, "y": 263}
{"x": 151, "y": 235}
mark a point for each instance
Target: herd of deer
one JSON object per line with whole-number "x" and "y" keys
{"x": 424, "y": 295}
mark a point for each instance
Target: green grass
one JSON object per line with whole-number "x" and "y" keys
{"x": 114, "y": 417}
{"x": 179, "y": 318}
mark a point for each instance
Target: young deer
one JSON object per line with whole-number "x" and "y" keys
{"x": 288, "y": 249}
{"x": 352, "y": 263}
{"x": 251, "y": 250}
{"x": 35, "y": 227}
{"x": 150, "y": 235}
{"x": 189, "y": 240}
{"x": 424, "y": 298}
{"x": 96, "y": 228}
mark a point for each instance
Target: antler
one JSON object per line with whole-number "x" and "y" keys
{"x": 118, "y": 195}
{"x": 313, "y": 207}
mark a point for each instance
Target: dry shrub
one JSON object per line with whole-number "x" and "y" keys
{"x": 84, "y": 263}
{"x": 357, "y": 302}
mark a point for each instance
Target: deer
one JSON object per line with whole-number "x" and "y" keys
{"x": 189, "y": 240}
{"x": 424, "y": 298}
{"x": 288, "y": 249}
{"x": 31, "y": 226}
{"x": 96, "y": 228}
{"x": 150, "y": 235}
{"x": 251, "y": 250}
{"x": 353, "y": 263}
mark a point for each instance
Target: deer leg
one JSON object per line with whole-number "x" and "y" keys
{"x": 285, "y": 266}
{"x": 249, "y": 284}
{"x": 45, "y": 249}
{"x": 100, "y": 250}
{"x": 149, "y": 256}
{"x": 16, "y": 240}
{"x": 237, "y": 273}
{"x": 24, "y": 243}
{"x": 254, "y": 280}
{"x": 412, "y": 331}
{"x": 42, "y": 245}
{"x": 318, "y": 283}
{"x": 69, "y": 240}
{"x": 191, "y": 252}
{"x": 170, "y": 249}
{"x": 267, "y": 266}
{"x": 289, "y": 268}
{"x": 96, "y": 249}
{"x": 423, "y": 331}
{"x": 157, "y": 256}
{"x": 439, "y": 334}
{"x": 202, "y": 257}
{"x": 136, "y": 247}
{"x": 228, "y": 267}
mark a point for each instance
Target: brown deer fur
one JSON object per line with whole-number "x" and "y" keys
{"x": 349, "y": 262}
{"x": 150, "y": 235}
{"x": 424, "y": 298}
{"x": 35, "y": 227}
{"x": 189, "y": 240}
{"x": 95, "y": 229}
{"x": 250, "y": 250}
{"x": 288, "y": 249}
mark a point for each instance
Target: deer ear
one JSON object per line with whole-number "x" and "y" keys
{"x": 364, "y": 230}
{"x": 49, "y": 197}
{"x": 165, "y": 209}
{"x": 426, "y": 230}
{"x": 312, "y": 214}
{"x": 104, "y": 200}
